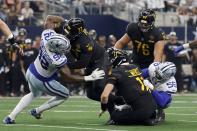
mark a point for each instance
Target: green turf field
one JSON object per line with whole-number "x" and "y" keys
{"x": 80, "y": 114}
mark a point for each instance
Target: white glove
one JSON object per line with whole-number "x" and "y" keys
{"x": 96, "y": 75}
{"x": 148, "y": 84}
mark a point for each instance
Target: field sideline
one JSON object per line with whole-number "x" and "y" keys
{"x": 80, "y": 114}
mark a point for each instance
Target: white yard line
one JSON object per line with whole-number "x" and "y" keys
{"x": 89, "y": 124}
{"x": 62, "y": 127}
{"x": 189, "y": 101}
{"x": 182, "y": 107}
{"x": 76, "y": 111}
{"x": 188, "y": 121}
{"x": 177, "y": 114}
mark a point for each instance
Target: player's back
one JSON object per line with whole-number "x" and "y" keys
{"x": 129, "y": 82}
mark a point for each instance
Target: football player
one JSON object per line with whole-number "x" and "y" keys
{"x": 42, "y": 72}
{"x": 162, "y": 83}
{"x": 147, "y": 40}
{"x": 127, "y": 81}
{"x": 88, "y": 53}
{"x": 7, "y": 32}
{"x": 193, "y": 44}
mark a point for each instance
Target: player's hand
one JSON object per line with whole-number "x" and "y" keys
{"x": 178, "y": 49}
{"x": 96, "y": 75}
{"x": 148, "y": 84}
{"x": 19, "y": 48}
{"x": 12, "y": 41}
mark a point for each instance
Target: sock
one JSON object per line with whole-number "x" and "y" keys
{"x": 54, "y": 101}
{"x": 24, "y": 102}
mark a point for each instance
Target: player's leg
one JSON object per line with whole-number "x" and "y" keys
{"x": 141, "y": 111}
{"x": 25, "y": 100}
{"x": 55, "y": 89}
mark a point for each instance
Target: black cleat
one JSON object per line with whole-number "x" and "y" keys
{"x": 150, "y": 122}
{"x": 110, "y": 122}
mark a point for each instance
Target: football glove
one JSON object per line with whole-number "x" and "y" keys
{"x": 96, "y": 75}
{"x": 12, "y": 41}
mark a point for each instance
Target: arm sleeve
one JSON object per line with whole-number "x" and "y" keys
{"x": 130, "y": 29}
{"x": 145, "y": 73}
{"x": 161, "y": 98}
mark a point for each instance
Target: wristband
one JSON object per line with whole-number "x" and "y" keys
{"x": 87, "y": 78}
{"x": 103, "y": 107}
{"x": 10, "y": 36}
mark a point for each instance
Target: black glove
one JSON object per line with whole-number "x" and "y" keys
{"x": 11, "y": 40}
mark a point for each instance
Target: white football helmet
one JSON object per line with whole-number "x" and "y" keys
{"x": 162, "y": 71}
{"x": 59, "y": 44}
{"x": 165, "y": 71}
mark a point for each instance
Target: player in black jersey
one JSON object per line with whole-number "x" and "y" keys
{"x": 147, "y": 40}
{"x": 88, "y": 53}
{"x": 128, "y": 82}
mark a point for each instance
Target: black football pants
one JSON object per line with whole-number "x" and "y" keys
{"x": 142, "y": 110}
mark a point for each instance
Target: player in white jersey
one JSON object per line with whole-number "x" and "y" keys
{"x": 42, "y": 72}
{"x": 162, "y": 83}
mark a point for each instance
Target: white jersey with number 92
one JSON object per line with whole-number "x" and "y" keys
{"x": 47, "y": 63}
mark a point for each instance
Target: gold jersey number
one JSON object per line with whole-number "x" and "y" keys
{"x": 142, "y": 47}
{"x": 141, "y": 81}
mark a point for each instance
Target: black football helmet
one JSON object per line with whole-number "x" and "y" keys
{"x": 146, "y": 20}
{"x": 74, "y": 27}
{"x": 116, "y": 57}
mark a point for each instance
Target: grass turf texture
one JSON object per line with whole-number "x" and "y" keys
{"x": 80, "y": 114}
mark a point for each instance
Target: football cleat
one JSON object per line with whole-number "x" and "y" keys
{"x": 8, "y": 120}
{"x": 160, "y": 116}
{"x": 150, "y": 122}
{"x": 35, "y": 114}
{"x": 110, "y": 122}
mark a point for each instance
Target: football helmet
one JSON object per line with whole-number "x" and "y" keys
{"x": 74, "y": 26}
{"x": 116, "y": 57}
{"x": 146, "y": 20}
{"x": 92, "y": 33}
{"x": 59, "y": 44}
{"x": 165, "y": 71}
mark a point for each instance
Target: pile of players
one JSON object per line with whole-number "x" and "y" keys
{"x": 132, "y": 92}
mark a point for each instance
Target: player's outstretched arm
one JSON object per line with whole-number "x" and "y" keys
{"x": 104, "y": 98}
{"x": 5, "y": 29}
{"x": 193, "y": 44}
{"x": 69, "y": 77}
{"x": 158, "y": 51}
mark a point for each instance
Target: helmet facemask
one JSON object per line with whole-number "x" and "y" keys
{"x": 146, "y": 20}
